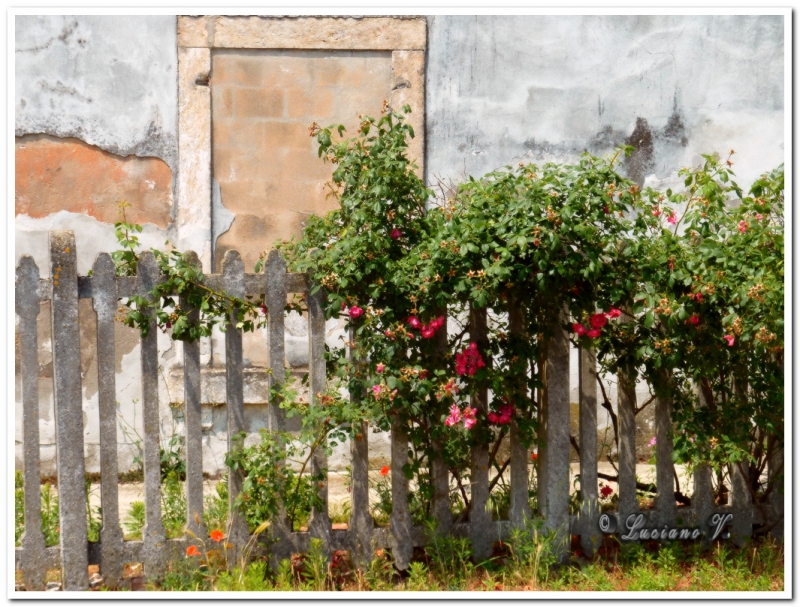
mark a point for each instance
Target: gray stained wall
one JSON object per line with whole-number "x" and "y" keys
{"x": 542, "y": 88}
{"x": 110, "y": 81}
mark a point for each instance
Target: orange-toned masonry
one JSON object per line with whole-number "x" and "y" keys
{"x": 54, "y": 174}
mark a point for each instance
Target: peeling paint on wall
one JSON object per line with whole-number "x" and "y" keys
{"x": 110, "y": 81}
{"x": 53, "y": 174}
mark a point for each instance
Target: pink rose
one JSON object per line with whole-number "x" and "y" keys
{"x": 355, "y": 312}
{"x": 414, "y": 322}
{"x": 614, "y": 313}
{"x": 593, "y": 334}
{"x": 673, "y": 219}
{"x": 454, "y": 417}
{"x": 380, "y": 368}
{"x": 428, "y": 332}
{"x": 743, "y": 226}
{"x": 395, "y": 234}
{"x": 730, "y": 339}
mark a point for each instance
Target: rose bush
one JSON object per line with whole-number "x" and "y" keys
{"x": 448, "y": 297}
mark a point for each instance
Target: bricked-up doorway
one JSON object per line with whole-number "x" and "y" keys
{"x": 271, "y": 77}
{"x": 248, "y": 88}
{"x": 266, "y": 164}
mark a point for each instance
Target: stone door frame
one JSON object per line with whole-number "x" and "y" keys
{"x": 197, "y": 36}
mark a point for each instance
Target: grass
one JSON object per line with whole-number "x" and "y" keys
{"x": 445, "y": 565}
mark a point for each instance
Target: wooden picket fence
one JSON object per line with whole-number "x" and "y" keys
{"x": 74, "y": 553}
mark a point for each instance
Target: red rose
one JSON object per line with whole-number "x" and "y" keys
{"x": 598, "y": 321}
{"x": 593, "y": 333}
{"x": 355, "y": 312}
{"x": 579, "y": 328}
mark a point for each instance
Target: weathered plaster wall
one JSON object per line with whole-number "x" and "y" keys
{"x": 96, "y": 122}
{"x": 93, "y": 91}
{"x": 108, "y": 80}
{"x": 546, "y": 88}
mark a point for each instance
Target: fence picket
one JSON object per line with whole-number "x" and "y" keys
{"x": 69, "y": 411}
{"x": 153, "y": 534}
{"x": 587, "y": 426}
{"x": 776, "y": 498}
{"x": 192, "y": 420}
{"x": 519, "y": 509}
{"x": 440, "y": 475}
{"x": 666, "y": 510}
{"x": 320, "y": 523}
{"x": 26, "y": 302}
{"x": 554, "y": 453}
{"x": 275, "y": 300}
{"x": 626, "y": 404}
{"x": 479, "y": 517}
{"x": 741, "y": 503}
{"x": 105, "y": 306}
{"x": 360, "y": 524}
{"x": 362, "y": 538}
{"x": 400, "y": 519}
{"x": 703, "y": 492}
{"x": 233, "y": 272}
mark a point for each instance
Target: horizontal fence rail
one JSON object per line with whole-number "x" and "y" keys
{"x": 362, "y": 537}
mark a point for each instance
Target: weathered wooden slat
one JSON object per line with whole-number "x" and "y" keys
{"x": 703, "y": 492}
{"x": 360, "y": 523}
{"x": 68, "y": 411}
{"x": 741, "y": 503}
{"x": 192, "y": 419}
{"x": 554, "y": 453}
{"x": 153, "y": 534}
{"x": 626, "y": 414}
{"x": 105, "y": 306}
{"x": 27, "y": 307}
{"x": 440, "y": 475}
{"x": 479, "y": 517}
{"x": 519, "y": 509}
{"x": 587, "y": 424}
{"x": 400, "y": 519}
{"x": 776, "y": 499}
{"x": 233, "y": 272}
{"x": 665, "y": 472}
{"x": 320, "y": 523}
{"x": 127, "y": 286}
{"x": 296, "y": 283}
{"x": 255, "y": 284}
{"x": 275, "y": 299}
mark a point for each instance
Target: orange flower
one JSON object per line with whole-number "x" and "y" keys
{"x": 384, "y": 470}
{"x": 192, "y": 551}
{"x": 217, "y": 535}
{"x": 534, "y": 456}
